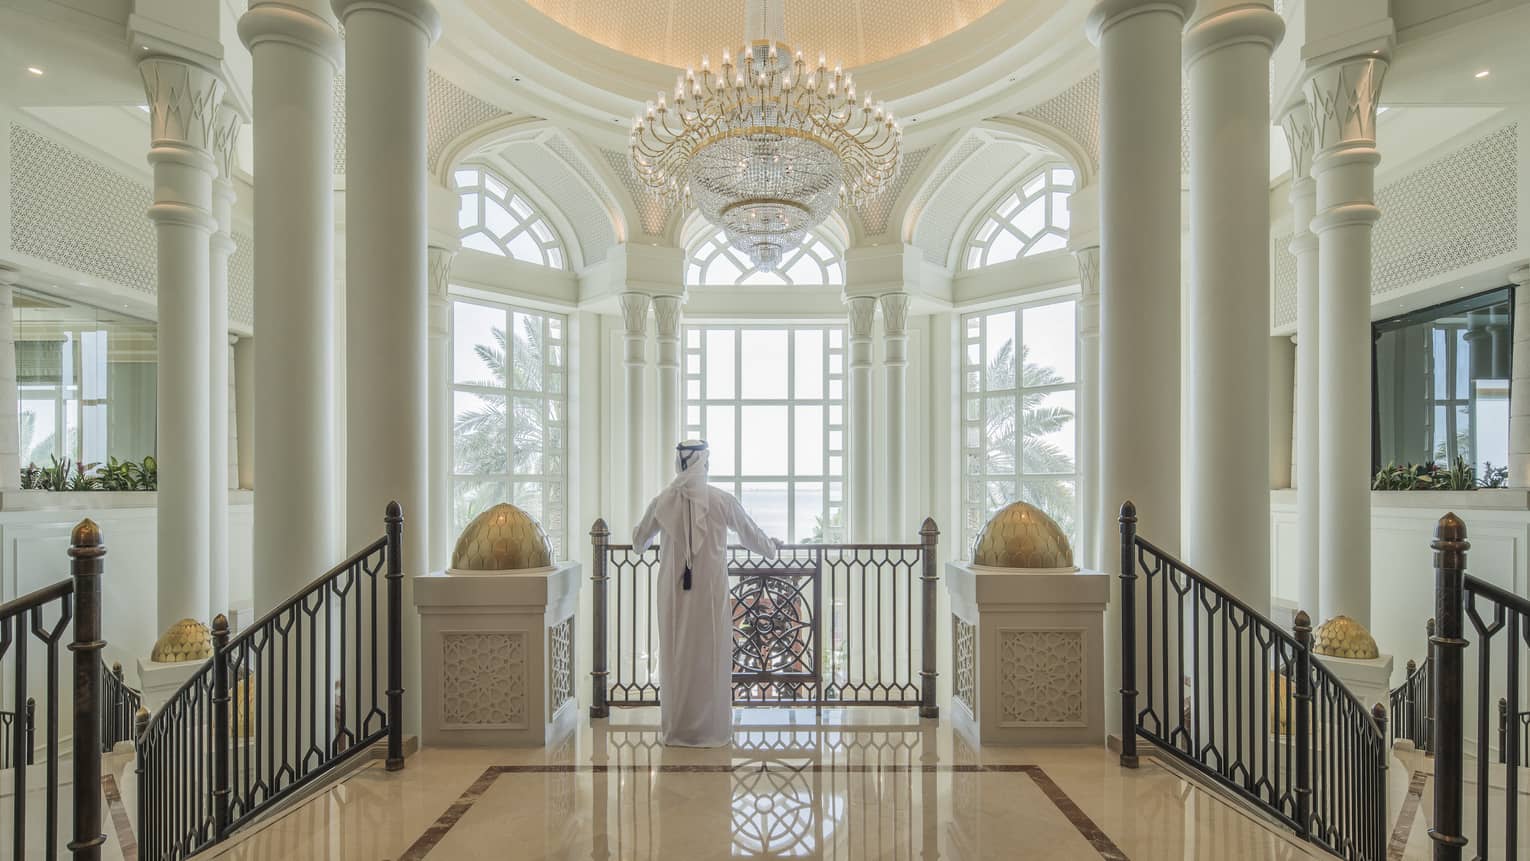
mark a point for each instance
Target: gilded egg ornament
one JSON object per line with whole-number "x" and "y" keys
{"x": 1022, "y": 536}
{"x": 186, "y": 640}
{"x": 504, "y": 538}
{"x": 1343, "y": 637}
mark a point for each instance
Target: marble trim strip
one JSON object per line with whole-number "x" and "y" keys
{"x": 1398, "y": 844}
{"x": 121, "y": 824}
{"x": 1075, "y": 815}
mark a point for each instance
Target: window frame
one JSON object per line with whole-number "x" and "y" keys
{"x": 553, "y": 250}
{"x": 704, "y": 252}
{"x": 982, "y": 247}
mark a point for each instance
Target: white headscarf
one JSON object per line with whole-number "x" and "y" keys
{"x": 682, "y": 507}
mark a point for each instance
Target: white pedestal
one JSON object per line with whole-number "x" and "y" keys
{"x": 1028, "y": 654}
{"x": 161, "y": 681}
{"x": 497, "y": 656}
{"x": 1367, "y": 679}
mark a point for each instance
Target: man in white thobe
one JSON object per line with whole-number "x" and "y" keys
{"x": 695, "y": 613}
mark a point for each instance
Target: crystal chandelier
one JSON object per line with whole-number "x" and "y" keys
{"x": 766, "y": 146}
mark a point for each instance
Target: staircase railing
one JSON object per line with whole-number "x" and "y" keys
{"x": 119, "y": 707}
{"x": 63, "y": 617}
{"x": 1231, "y": 695}
{"x": 22, "y": 722}
{"x": 1412, "y": 715}
{"x": 253, "y": 726}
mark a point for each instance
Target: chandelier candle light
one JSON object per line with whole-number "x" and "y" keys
{"x": 765, "y": 148}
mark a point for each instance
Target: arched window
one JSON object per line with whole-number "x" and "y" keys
{"x": 495, "y": 218}
{"x": 1031, "y": 219}
{"x": 713, "y": 261}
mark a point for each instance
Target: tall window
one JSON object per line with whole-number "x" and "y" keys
{"x": 776, "y": 422}
{"x": 714, "y": 262}
{"x": 1031, "y": 219}
{"x": 509, "y": 413}
{"x": 1018, "y": 435}
{"x": 495, "y": 218}
{"x": 86, "y": 379}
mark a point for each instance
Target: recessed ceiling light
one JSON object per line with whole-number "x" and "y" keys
{"x": 1484, "y": 73}
{"x": 34, "y": 70}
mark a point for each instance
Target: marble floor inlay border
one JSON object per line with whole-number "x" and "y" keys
{"x": 120, "y": 821}
{"x": 1398, "y": 844}
{"x": 1065, "y": 805}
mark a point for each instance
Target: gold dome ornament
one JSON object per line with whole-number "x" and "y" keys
{"x": 1022, "y": 536}
{"x": 1343, "y": 637}
{"x": 504, "y": 538}
{"x": 186, "y": 640}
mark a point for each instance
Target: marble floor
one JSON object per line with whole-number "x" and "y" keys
{"x": 857, "y": 784}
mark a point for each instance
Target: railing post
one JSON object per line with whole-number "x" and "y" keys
{"x": 29, "y": 730}
{"x": 394, "y": 520}
{"x": 1428, "y": 696}
{"x": 1377, "y": 838}
{"x": 1128, "y": 635}
{"x": 1503, "y": 730}
{"x": 220, "y": 735}
{"x": 600, "y": 536}
{"x": 1450, "y": 546}
{"x": 1302, "y": 721}
{"x": 85, "y": 554}
{"x": 146, "y": 829}
{"x": 119, "y": 702}
{"x": 928, "y": 535}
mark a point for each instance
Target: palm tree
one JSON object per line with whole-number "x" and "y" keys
{"x": 1037, "y": 455}
{"x": 496, "y": 437}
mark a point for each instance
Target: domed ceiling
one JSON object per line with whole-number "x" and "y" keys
{"x": 854, "y": 33}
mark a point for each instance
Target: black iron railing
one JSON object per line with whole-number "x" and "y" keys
{"x": 259, "y": 721}
{"x": 1239, "y": 700}
{"x": 55, "y": 620}
{"x": 820, "y": 625}
{"x": 1410, "y": 703}
{"x": 119, "y": 707}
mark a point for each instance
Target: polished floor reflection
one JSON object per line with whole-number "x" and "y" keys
{"x": 860, "y": 784}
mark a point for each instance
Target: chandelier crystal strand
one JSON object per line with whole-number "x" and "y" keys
{"x": 765, "y": 149}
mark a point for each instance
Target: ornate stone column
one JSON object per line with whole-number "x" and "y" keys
{"x": 225, "y": 140}
{"x": 1343, "y": 98}
{"x": 10, "y": 407}
{"x": 1227, "y": 499}
{"x": 895, "y": 331}
{"x": 666, "y": 313}
{"x": 1519, "y": 384}
{"x": 1307, "y": 475}
{"x": 1087, "y": 410}
{"x": 858, "y": 442}
{"x": 183, "y": 106}
{"x": 439, "y": 415}
{"x": 635, "y": 359}
{"x": 290, "y": 442}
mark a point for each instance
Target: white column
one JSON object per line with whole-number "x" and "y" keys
{"x": 1282, "y": 351}
{"x": 442, "y": 535}
{"x": 895, "y": 409}
{"x": 666, "y": 314}
{"x": 1307, "y": 476}
{"x": 1226, "y": 525}
{"x": 858, "y": 443}
{"x": 635, "y": 359}
{"x": 244, "y": 411}
{"x": 231, "y": 393}
{"x": 1519, "y": 384}
{"x": 183, "y": 104}
{"x": 10, "y": 430}
{"x": 226, "y": 137}
{"x": 1092, "y": 516}
{"x": 1343, "y": 98}
{"x": 1139, "y": 43}
{"x": 291, "y": 420}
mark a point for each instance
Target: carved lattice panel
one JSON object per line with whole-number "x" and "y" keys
{"x": 560, "y": 665}
{"x": 964, "y": 655}
{"x": 483, "y": 679}
{"x": 1041, "y": 678}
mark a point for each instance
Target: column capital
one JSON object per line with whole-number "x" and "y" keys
{"x": 895, "y": 313}
{"x": 1088, "y": 259}
{"x": 420, "y": 13}
{"x": 184, "y": 102}
{"x": 1342, "y": 97}
{"x": 666, "y": 313}
{"x": 1297, "y": 124}
{"x": 862, "y": 311}
{"x": 1108, "y": 13}
{"x": 439, "y": 264}
{"x": 287, "y": 24}
{"x": 1251, "y": 23}
{"x": 227, "y": 122}
{"x": 635, "y": 313}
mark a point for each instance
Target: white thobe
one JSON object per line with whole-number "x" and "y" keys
{"x": 696, "y": 626}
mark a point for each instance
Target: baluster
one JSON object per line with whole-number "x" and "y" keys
{"x": 1128, "y": 522}
{"x": 220, "y": 729}
{"x": 1428, "y": 681}
{"x": 1450, "y": 547}
{"x": 394, "y": 520}
{"x": 1511, "y": 770}
{"x": 1503, "y": 730}
{"x": 928, "y": 534}
{"x": 146, "y": 824}
{"x": 1376, "y": 816}
{"x": 600, "y": 536}
{"x": 1302, "y": 722}
{"x": 85, "y": 554}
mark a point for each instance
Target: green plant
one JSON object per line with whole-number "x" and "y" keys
{"x": 60, "y": 475}
{"x": 30, "y": 476}
{"x": 1493, "y": 476}
{"x": 1460, "y": 475}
